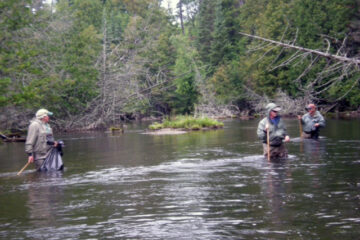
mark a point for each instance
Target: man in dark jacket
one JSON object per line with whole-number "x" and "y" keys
{"x": 312, "y": 121}
{"x": 277, "y": 132}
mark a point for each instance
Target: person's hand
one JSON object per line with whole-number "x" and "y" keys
{"x": 55, "y": 144}
{"x": 299, "y": 117}
{"x": 30, "y": 159}
{"x": 266, "y": 127}
{"x": 317, "y": 125}
{"x": 287, "y": 139}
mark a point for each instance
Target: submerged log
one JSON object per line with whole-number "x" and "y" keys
{"x": 12, "y": 138}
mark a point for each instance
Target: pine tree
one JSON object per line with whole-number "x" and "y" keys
{"x": 15, "y": 61}
{"x": 205, "y": 29}
{"x": 225, "y": 37}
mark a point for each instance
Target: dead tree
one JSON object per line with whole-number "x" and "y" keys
{"x": 338, "y": 68}
{"x": 344, "y": 59}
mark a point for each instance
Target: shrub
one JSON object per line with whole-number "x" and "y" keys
{"x": 187, "y": 122}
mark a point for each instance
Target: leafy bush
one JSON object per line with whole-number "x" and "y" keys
{"x": 155, "y": 126}
{"x": 187, "y": 122}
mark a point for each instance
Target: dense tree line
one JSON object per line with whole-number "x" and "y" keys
{"x": 98, "y": 62}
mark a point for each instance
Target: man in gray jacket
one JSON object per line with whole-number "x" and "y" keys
{"x": 277, "y": 132}
{"x": 39, "y": 140}
{"x": 312, "y": 121}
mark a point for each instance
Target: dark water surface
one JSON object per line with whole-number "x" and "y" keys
{"x": 201, "y": 185}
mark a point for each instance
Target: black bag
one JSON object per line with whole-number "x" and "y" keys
{"x": 276, "y": 141}
{"x": 53, "y": 162}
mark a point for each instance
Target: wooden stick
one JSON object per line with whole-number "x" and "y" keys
{"x": 301, "y": 136}
{"x": 27, "y": 164}
{"x": 300, "y": 127}
{"x": 268, "y": 144}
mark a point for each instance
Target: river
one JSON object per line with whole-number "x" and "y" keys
{"x": 200, "y": 185}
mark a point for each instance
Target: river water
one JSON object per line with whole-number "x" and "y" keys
{"x": 200, "y": 185}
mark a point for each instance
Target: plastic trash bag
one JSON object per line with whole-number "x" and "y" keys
{"x": 53, "y": 162}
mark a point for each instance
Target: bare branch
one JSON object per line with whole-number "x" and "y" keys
{"x": 327, "y": 55}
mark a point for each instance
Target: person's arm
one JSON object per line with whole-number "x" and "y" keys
{"x": 321, "y": 120}
{"x": 282, "y": 132}
{"x": 31, "y": 140}
{"x": 261, "y": 131}
{"x": 301, "y": 119}
{"x": 307, "y": 123}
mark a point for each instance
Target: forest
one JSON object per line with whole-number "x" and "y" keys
{"x": 96, "y": 63}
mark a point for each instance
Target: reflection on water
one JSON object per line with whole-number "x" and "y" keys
{"x": 277, "y": 189}
{"x": 201, "y": 185}
{"x": 314, "y": 149}
{"x": 43, "y": 199}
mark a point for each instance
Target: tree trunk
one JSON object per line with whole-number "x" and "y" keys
{"x": 181, "y": 17}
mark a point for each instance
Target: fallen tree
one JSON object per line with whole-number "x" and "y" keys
{"x": 339, "y": 68}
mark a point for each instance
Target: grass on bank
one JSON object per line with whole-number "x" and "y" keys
{"x": 188, "y": 123}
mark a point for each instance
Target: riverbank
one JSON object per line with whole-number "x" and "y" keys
{"x": 57, "y": 127}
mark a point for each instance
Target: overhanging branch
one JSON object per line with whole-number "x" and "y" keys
{"x": 355, "y": 61}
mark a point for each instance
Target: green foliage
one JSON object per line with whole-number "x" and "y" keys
{"x": 351, "y": 88}
{"x": 15, "y": 15}
{"x": 225, "y": 35}
{"x": 4, "y": 84}
{"x": 186, "y": 94}
{"x": 306, "y": 21}
{"x": 74, "y": 82}
{"x": 205, "y": 26}
{"x": 14, "y": 59}
{"x": 315, "y": 19}
{"x": 152, "y": 55}
{"x": 62, "y": 60}
{"x": 84, "y": 13}
{"x": 228, "y": 81}
{"x": 116, "y": 20}
{"x": 155, "y": 126}
{"x": 186, "y": 122}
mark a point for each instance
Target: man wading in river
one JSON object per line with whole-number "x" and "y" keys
{"x": 39, "y": 140}
{"x": 273, "y": 124}
{"x": 312, "y": 121}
